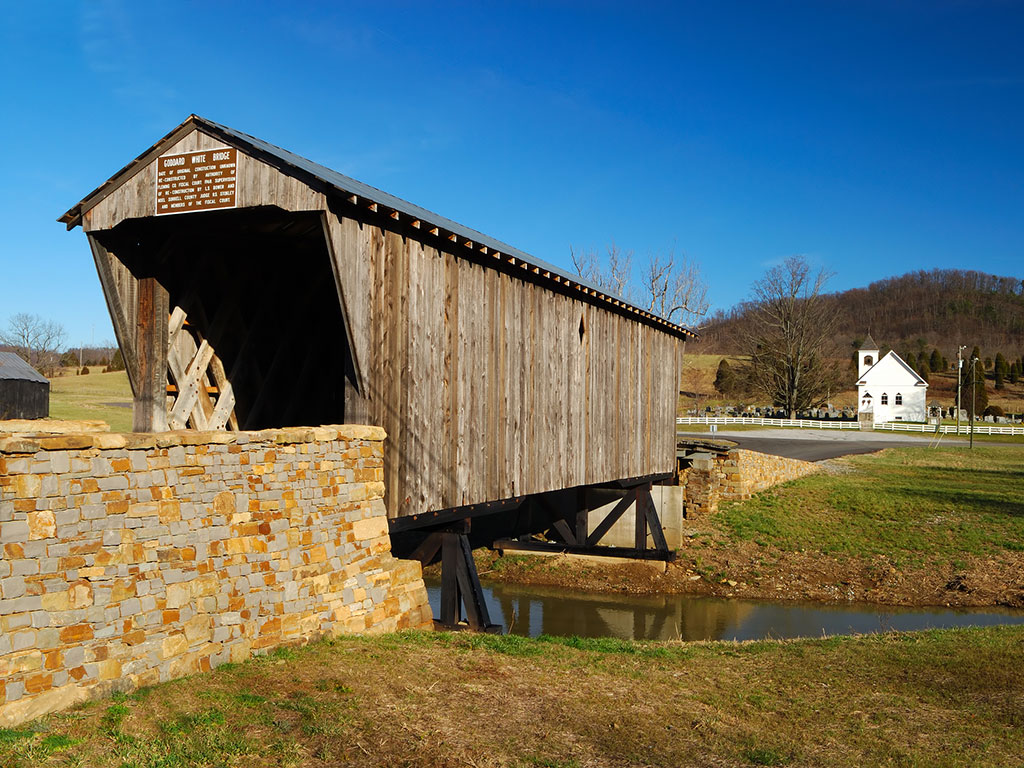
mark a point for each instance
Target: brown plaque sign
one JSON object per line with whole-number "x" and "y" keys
{"x": 196, "y": 181}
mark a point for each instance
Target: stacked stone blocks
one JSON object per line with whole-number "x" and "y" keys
{"x": 735, "y": 476}
{"x": 134, "y": 559}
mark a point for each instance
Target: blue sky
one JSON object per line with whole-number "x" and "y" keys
{"x": 873, "y": 137}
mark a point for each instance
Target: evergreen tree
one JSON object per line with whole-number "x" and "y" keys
{"x": 725, "y": 379}
{"x": 923, "y": 369}
{"x": 935, "y": 361}
{"x": 1014, "y": 373}
{"x": 1001, "y": 366}
{"x": 999, "y": 378}
{"x": 976, "y": 352}
{"x": 988, "y": 363}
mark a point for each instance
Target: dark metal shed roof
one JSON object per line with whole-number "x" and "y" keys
{"x": 13, "y": 367}
{"x": 352, "y": 187}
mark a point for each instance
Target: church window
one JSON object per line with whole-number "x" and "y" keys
{"x": 885, "y": 398}
{"x": 868, "y": 360}
{"x": 899, "y": 398}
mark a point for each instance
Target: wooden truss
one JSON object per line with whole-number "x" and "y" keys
{"x": 462, "y": 598}
{"x": 579, "y": 540}
{"x": 199, "y": 394}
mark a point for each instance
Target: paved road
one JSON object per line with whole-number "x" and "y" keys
{"x": 814, "y": 444}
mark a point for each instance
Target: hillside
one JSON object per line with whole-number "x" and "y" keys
{"x": 941, "y": 308}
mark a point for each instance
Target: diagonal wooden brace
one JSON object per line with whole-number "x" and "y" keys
{"x": 613, "y": 517}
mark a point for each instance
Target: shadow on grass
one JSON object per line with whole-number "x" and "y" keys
{"x": 975, "y": 502}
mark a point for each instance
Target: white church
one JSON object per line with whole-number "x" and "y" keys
{"x": 888, "y": 389}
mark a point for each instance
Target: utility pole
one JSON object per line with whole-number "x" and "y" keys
{"x": 959, "y": 367}
{"x": 974, "y": 397}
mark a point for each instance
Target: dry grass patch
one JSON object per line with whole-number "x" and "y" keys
{"x": 941, "y": 698}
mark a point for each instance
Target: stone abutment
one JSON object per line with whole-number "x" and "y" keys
{"x": 134, "y": 559}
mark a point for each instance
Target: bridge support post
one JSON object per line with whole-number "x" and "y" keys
{"x": 460, "y": 584}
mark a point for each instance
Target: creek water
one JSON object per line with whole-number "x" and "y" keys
{"x": 533, "y": 611}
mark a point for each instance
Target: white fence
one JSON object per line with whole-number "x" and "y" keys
{"x": 951, "y": 429}
{"x": 802, "y": 423}
{"x": 892, "y": 426}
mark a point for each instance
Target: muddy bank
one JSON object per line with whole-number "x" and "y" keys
{"x": 747, "y": 570}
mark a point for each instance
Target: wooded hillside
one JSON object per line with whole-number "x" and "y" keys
{"x": 942, "y": 307}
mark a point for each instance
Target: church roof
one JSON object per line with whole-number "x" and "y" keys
{"x": 869, "y": 343}
{"x": 917, "y": 380}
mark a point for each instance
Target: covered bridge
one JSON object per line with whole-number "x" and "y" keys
{"x": 250, "y": 288}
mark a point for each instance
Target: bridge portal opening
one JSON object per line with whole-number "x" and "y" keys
{"x": 257, "y": 285}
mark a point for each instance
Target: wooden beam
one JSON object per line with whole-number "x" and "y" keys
{"x": 582, "y": 516}
{"x": 515, "y": 545}
{"x": 150, "y": 408}
{"x": 428, "y": 548}
{"x": 565, "y": 531}
{"x": 446, "y": 516}
{"x": 617, "y": 511}
{"x": 477, "y": 615}
{"x": 450, "y": 614}
{"x": 645, "y": 501}
{"x": 118, "y": 316}
{"x": 640, "y": 520}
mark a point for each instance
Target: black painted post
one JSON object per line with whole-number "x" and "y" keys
{"x": 477, "y": 615}
{"x": 450, "y": 613}
{"x": 640, "y": 514}
{"x": 582, "y": 516}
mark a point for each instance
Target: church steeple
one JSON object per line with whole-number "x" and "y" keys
{"x": 867, "y": 355}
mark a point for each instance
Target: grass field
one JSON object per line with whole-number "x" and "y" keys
{"x": 105, "y": 396}
{"x": 906, "y": 503}
{"x": 938, "y": 698}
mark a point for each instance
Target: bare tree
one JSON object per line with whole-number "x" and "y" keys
{"x": 612, "y": 274}
{"x": 791, "y": 326}
{"x": 35, "y": 340}
{"x": 675, "y": 287}
{"x": 671, "y": 286}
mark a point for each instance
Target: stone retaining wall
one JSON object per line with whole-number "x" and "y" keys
{"x": 749, "y": 472}
{"x": 737, "y": 475}
{"x": 133, "y": 559}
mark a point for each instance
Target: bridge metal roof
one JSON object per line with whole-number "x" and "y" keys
{"x": 359, "y": 192}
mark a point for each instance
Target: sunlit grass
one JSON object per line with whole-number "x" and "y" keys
{"x": 948, "y": 697}
{"x": 905, "y": 502}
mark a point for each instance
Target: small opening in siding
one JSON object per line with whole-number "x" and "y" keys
{"x": 583, "y": 329}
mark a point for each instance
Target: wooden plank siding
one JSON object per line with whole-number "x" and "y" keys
{"x": 485, "y": 387}
{"x": 478, "y": 372}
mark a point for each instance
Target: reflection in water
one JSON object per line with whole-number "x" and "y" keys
{"x": 533, "y": 611}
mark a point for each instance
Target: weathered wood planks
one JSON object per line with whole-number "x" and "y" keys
{"x": 486, "y": 385}
{"x": 490, "y": 382}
